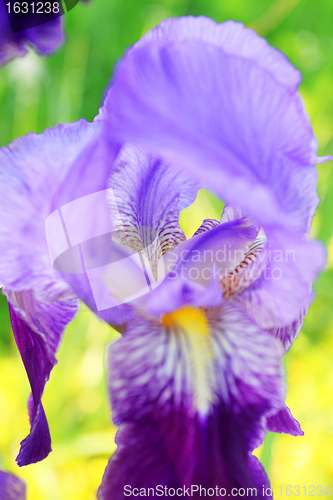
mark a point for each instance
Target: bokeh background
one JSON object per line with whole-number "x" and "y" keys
{"x": 36, "y": 93}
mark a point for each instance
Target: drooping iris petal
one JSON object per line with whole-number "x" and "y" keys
{"x": 39, "y": 175}
{"x": 228, "y": 116}
{"x": 190, "y": 397}
{"x": 11, "y": 487}
{"x": 53, "y": 187}
{"x": 146, "y": 196}
{"x": 45, "y": 38}
{"x": 38, "y": 329}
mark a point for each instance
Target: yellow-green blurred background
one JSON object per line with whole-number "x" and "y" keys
{"x": 36, "y": 93}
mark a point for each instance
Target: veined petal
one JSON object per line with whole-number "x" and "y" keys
{"x": 190, "y": 397}
{"x": 207, "y": 225}
{"x": 37, "y": 330}
{"x": 283, "y": 421}
{"x": 289, "y": 333}
{"x": 224, "y": 117}
{"x": 231, "y": 213}
{"x": 146, "y": 196}
{"x": 233, "y": 37}
{"x": 212, "y": 253}
{"x": 196, "y": 267}
{"x": 11, "y": 487}
{"x": 52, "y": 207}
{"x": 288, "y": 264}
{"x": 279, "y": 297}
{"x": 34, "y": 172}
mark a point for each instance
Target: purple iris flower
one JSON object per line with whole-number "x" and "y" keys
{"x": 45, "y": 38}
{"x": 195, "y": 380}
{"x": 11, "y": 488}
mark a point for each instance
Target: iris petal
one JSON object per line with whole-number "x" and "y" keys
{"x": 37, "y": 173}
{"x": 224, "y": 117}
{"x": 45, "y": 38}
{"x": 233, "y": 37}
{"x": 147, "y": 197}
{"x": 283, "y": 421}
{"x": 169, "y": 437}
{"x": 37, "y": 330}
{"x": 283, "y": 291}
{"x": 11, "y": 488}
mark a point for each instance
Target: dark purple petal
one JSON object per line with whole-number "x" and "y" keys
{"x": 11, "y": 487}
{"x": 46, "y": 37}
{"x": 11, "y": 45}
{"x": 226, "y": 116}
{"x": 37, "y": 329}
{"x": 146, "y": 196}
{"x": 191, "y": 411}
{"x": 283, "y": 421}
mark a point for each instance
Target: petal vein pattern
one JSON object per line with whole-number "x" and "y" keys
{"x": 147, "y": 196}
{"x": 153, "y": 385}
{"x": 37, "y": 329}
{"x": 222, "y": 116}
{"x": 37, "y": 172}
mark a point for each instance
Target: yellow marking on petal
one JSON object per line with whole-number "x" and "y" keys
{"x": 193, "y": 322}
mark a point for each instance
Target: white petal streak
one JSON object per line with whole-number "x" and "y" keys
{"x": 165, "y": 372}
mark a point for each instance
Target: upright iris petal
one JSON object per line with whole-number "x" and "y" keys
{"x": 229, "y": 115}
{"x": 220, "y": 103}
{"x": 138, "y": 181}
